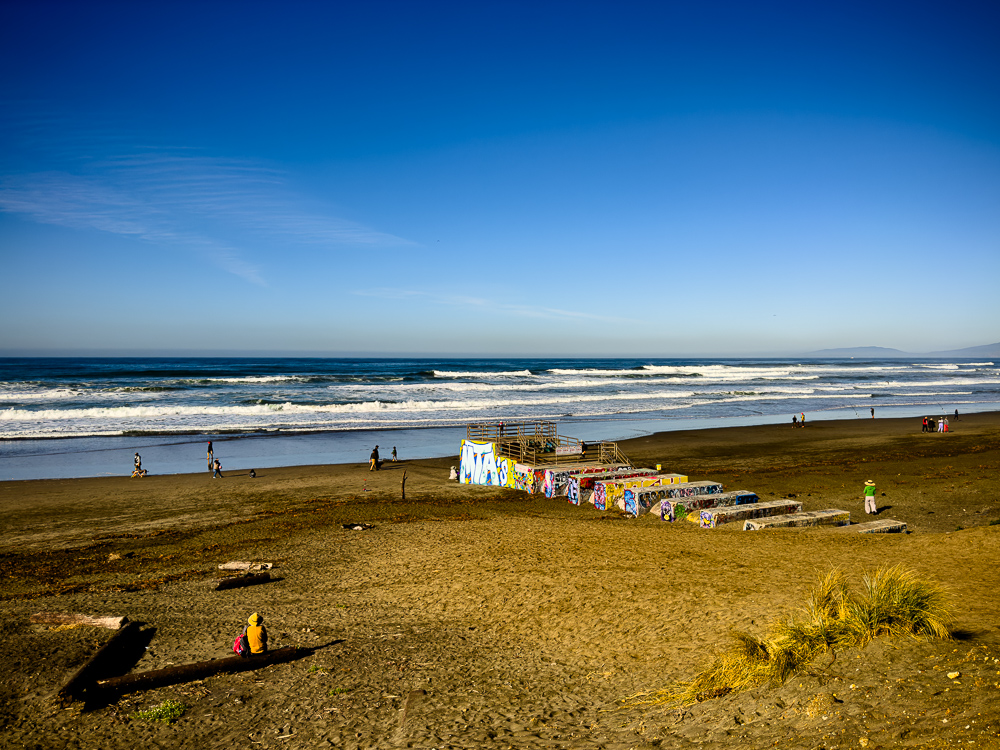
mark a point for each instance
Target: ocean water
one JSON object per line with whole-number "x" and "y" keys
{"x": 85, "y": 417}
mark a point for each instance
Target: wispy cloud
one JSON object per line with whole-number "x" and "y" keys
{"x": 176, "y": 197}
{"x": 479, "y": 303}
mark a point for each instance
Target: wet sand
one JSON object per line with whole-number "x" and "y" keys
{"x": 485, "y": 618}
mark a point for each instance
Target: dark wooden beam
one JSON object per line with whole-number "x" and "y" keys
{"x": 198, "y": 670}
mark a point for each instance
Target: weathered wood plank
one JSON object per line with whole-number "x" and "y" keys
{"x": 245, "y": 565}
{"x": 65, "y": 618}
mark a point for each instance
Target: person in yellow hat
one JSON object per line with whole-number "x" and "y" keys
{"x": 870, "y": 506}
{"x": 256, "y": 634}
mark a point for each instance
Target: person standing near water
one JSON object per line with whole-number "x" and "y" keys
{"x": 394, "y": 453}
{"x": 870, "y": 507}
{"x": 137, "y": 462}
{"x": 373, "y": 460}
{"x": 873, "y": 412}
{"x": 211, "y": 455}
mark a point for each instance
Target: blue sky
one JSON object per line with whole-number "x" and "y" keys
{"x": 651, "y": 179}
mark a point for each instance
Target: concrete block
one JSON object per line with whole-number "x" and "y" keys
{"x": 881, "y": 526}
{"x": 829, "y": 517}
{"x": 712, "y": 517}
{"x": 691, "y": 489}
{"x": 672, "y": 510}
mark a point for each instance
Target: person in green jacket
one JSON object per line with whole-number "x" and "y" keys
{"x": 870, "y": 506}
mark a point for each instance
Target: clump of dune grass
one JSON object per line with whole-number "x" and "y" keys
{"x": 892, "y": 602}
{"x": 167, "y": 712}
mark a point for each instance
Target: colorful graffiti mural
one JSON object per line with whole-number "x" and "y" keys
{"x": 480, "y": 464}
{"x": 611, "y": 492}
{"x": 556, "y": 480}
{"x": 579, "y": 487}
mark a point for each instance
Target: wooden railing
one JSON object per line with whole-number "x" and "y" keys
{"x": 493, "y": 432}
{"x": 537, "y": 443}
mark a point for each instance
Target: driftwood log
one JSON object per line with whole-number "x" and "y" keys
{"x": 245, "y": 566}
{"x": 196, "y": 671}
{"x": 62, "y": 618}
{"x": 402, "y": 486}
{"x": 241, "y": 581}
{"x": 85, "y": 675}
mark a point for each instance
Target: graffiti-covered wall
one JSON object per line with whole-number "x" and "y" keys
{"x": 611, "y": 492}
{"x": 480, "y": 464}
{"x": 556, "y": 481}
{"x": 579, "y": 487}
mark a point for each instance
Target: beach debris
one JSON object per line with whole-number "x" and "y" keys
{"x": 197, "y": 670}
{"x": 358, "y": 526}
{"x": 238, "y": 582}
{"x": 64, "y": 619}
{"x": 85, "y": 675}
{"x": 402, "y": 486}
{"x": 954, "y": 675}
{"x": 246, "y": 566}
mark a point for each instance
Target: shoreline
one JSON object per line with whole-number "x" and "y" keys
{"x": 27, "y": 459}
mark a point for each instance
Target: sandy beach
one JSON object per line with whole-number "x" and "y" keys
{"x": 477, "y": 617}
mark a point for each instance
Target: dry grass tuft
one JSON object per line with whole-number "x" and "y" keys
{"x": 892, "y": 602}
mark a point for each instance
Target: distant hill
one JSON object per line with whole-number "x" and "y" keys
{"x": 987, "y": 350}
{"x": 872, "y": 352}
{"x": 882, "y": 352}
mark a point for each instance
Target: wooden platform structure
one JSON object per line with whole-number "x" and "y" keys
{"x": 539, "y": 444}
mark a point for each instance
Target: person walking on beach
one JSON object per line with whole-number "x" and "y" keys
{"x": 802, "y": 419}
{"x": 218, "y": 470}
{"x": 795, "y": 421}
{"x": 373, "y": 460}
{"x": 211, "y": 455}
{"x": 137, "y": 463}
{"x": 256, "y": 634}
{"x": 394, "y": 454}
{"x": 873, "y": 412}
{"x": 870, "y": 507}
{"x": 945, "y": 419}
{"x": 923, "y": 425}
{"x": 941, "y": 425}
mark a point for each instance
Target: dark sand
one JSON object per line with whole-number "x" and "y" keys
{"x": 474, "y": 617}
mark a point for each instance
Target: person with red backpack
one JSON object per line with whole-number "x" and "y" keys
{"x": 257, "y": 634}
{"x": 253, "y": 638}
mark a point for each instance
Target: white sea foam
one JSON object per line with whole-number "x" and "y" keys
{"x": 482, "y": 375}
